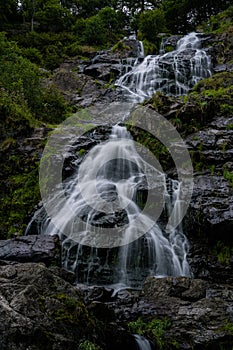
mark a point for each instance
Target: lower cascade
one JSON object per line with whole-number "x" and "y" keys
{"x": 142, "y": 343}
{"x": 142, "y": 247}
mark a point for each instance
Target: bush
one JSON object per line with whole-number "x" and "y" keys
{"x": 33, "y": 55}
{"x": 100, "y": 29}
{"x": 53, "y": 108}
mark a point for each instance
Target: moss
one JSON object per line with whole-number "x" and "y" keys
{"x": 149, "y": 48}
{"x": 223, "y": 252}
{"x": 228, "y": 176}
{"x": 148, "y": 140}
{"x": 81, "y": 152}
{"x": 228, "y": 327}
{"x": 20, "y": 195}
{"x": 120, "y": 47}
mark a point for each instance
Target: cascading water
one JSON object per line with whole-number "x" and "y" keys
{"x": 142, "y": 343}
{"x": 120, "y": 176}
{"x": 110, "y": 197}
{"x": 173, "y": 73}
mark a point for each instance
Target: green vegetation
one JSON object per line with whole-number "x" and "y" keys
{"x": 151, "y": 143}
{"x": 24, "y": 104}
{"x": 151, "y": 23}
{"x": 223, "y": 252}
{"x": 219, "y": 23}
{"x": 154, "y": 330}
{"x": 228, "y": 327}
{"x": 87, "y": 345}
{"x": 228, "y": 176}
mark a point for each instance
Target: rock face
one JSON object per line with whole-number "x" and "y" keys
{"x": 209, "y": 221}
{"x": 199, "y": 313}
{"x": 39, "y": 310}
{"x": 197, "y": 310}
{"x": 31, "y": 248}
{"x": 86, "y": 82}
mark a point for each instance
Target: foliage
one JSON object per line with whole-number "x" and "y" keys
{"x": 102, "y": 28}
{"x": 52, "y": 47}
{"x": 228, "y": 327}
{"x": 18, "y": 75}
{"x": 53, "y": 108}
{"x": 154, "y": 329}
{"x": 223, "y": 252}
{"x": 8, "y": 12}
{"x": 87, "y": 345}
{"x": 219, "y": 23}
{"x": 23, "y": 196}
{"x": 149, "y": 48}
{"x": 228, "y": 176}
{"x": 185, "y": 15}
{"x": 151, "y": 23}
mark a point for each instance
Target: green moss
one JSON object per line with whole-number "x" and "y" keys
{"x": 228, "y": 327}
{"x": 223, "y": 252}
{"x": 151, "y": 143}
{"x": 228, "y": 176}
{"x": 81, "y": 152}
{"x": 120, "y": 46}
{"x": 149, "y": 48}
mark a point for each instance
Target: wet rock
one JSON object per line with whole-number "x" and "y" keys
{"x": 180, "y": 287}
{"x": 211, "y": 207}
{"x": 103, "y": 71}
{"x": 31, "y": 249}
{"x": 36, "y": 312}
{"x": 39, "y": 310}
{"x": 170, "y": 42}
{"x": 199, "y": 312}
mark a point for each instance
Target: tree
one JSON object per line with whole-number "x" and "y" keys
{"x": 9, "y": 12}
{"x": 53, "y": 17}
{"x": 151, "y": 23}
{"x": 184, "y": 15}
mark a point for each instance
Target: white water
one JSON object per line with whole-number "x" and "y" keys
{"x": 173, "y": 73}
{"x": 142, "y": 342}
{"x": 107, "y": 181}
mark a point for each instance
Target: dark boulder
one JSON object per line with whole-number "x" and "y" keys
{"x": 34, "y": 248}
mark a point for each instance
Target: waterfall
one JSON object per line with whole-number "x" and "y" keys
{"x": 173, "y": 73}
{"x": 142, "y": 342}
{"x": 107, "y": 236}
{"x": 95, "y": 198}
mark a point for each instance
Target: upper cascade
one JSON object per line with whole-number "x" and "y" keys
{"x": 173, "y": 73}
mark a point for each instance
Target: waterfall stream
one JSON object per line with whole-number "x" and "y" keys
{"x": 173, "y": 73}
{"x": 104, "y": 193}
{"x": 142, "y": 342}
